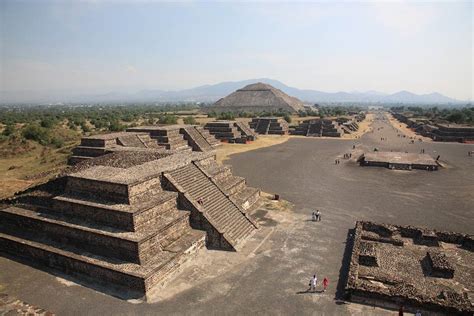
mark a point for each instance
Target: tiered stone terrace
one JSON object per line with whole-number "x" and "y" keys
{"x": 418, "y": 268}
{"x": 99, "y": 145}
{"x": 129, "y": 219}
{"x": 226, "y": 131}
{"x": 168, "y": 136}
{"x": 318, "y": 128}
{"x": 269, "y": 125}
{"x": 175, "y": 138}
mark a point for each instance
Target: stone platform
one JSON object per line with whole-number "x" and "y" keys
{"x": 128, "y": 219}
{"x": 269, "y": 125}
{"x": 418, "y": 268}
{"x": 168, "y": 138}
{"x": 399, "y": 160}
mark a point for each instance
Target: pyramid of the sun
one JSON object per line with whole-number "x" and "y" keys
{"x": 258, "y": 97}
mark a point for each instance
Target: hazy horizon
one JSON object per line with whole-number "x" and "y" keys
{"x": 95, "y": 47}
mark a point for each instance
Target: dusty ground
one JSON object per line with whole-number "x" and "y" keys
{"x": 403, "y": 128}
{"x": 272, "y": 272}
{"x": 226, "y": 149}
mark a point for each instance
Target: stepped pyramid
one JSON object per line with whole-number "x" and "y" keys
{"x": 128, "y": 220}
{"x": 174, "y": 138}
{"x": 258, "y": 97}
{"x": 269, "y": 125}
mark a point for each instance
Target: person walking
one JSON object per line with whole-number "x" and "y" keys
{"x": 313, "y": 216}
{"x": 325, "y": 283}
{"x": 318, "y": 216}
{"x": 312, "y": 283}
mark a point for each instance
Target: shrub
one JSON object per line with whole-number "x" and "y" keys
{"x": 57, "y": 142}
{"x": 36, "y": 133}
{"x": 168, "y": 119}
{"x": 115, "y": 126}
{"x": 47, "y": 122}
{"x": 287, "y": 118}
{"x": 189, "y": 120}
{"x": 9, "y": 129}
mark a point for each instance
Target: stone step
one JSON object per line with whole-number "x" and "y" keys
{"x": 221, "y": 210}
{"x": 196, "y": 139}
{"x": 120, "y": 216}
{"x": 232, "y": 185}
{"x": 77, "y": 159}
{"x": 129, "y": 246}
{"x": 89, "y": 151}
{"x": 247, "y": 197}
{"x": 134, "y": 278}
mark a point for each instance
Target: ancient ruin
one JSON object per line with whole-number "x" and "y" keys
{"x": 129, "y": 219}
{"x": 269, "y": 125}
{"x": 320, "y": 128}
{"x": 231, "y": 131}
{"x": 440, "y": 132}
{"x": 417, "y": 268}
{"x": 398, "y": 160}
{"x": 256, "y": 98}
{"x": 177, "y": 138}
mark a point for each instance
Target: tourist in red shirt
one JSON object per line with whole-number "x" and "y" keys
{"x": 325, "y": 284}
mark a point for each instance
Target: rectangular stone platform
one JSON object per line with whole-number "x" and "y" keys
{"x": 399, "y": 160}
{"x": 388, "y": 273}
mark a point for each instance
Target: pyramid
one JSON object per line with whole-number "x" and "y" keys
{"x": 258, "y": 97}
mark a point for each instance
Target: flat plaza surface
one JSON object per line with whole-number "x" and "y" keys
{"x": 271, "y": 274}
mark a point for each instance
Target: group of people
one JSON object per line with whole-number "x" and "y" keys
{"x": 316, "y": 216}
{"x": 314, "y": 282}
{"x": 347, "y": 156}
{"x": 337, "y": 161}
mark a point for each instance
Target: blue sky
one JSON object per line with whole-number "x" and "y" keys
{"x": 102, "y": 46}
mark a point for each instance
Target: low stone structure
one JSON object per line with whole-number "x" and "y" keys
{"x": 420, "y": 277}
{"x": 168, "y": 136}
{"x": 98, "y": 145}
{"x": 129, "y": 219}
{"x": 319, "y": 128}
{"x": 175, "y": 138}
{"x": 225, "y": 131}
{"x": 269, "y": 125}
{"x": 398, "y": 160}
{"x": 350, "y": 125}
{"x": 438, "y": 131}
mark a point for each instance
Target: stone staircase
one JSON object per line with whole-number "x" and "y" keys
{"x": 211, "y": 140}
{"x": 269, "y": 125}
{"x": 246, "y": 130}
{"x": 233, "y": 186}
{"x": 225, "y": 131}
{"x": 168, "y": 137}
{"x": 262, "y": 127}
{"x": 218, "y": 209}
{"x": 132, "y": 246}
{"x": 195, "y": 139}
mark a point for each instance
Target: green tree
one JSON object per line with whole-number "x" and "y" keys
{"x": 36, "y": 133}
{"x": 189, "y": 120}
{"x": 9, "y": 129}
{"x": 115, "y": 126}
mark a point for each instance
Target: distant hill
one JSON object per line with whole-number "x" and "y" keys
{"x": 212, "y": 93}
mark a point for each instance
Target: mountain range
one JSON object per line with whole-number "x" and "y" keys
{"x": 211, "y": 93}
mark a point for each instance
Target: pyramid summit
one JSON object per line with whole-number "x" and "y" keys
{"x": 258, "y": 97}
